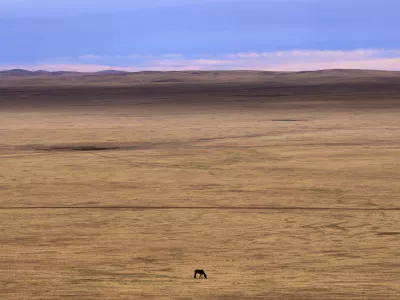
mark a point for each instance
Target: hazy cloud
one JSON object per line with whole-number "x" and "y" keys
{"x": 308, "y": 53}
{"x": 90, "y": 56}
{"x": 294, "y": 60}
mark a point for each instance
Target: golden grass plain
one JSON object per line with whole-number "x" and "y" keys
{"x": 289, "y": 195}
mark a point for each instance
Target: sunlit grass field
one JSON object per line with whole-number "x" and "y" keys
{"x": 282, "y": 197}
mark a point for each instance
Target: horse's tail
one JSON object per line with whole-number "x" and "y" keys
{"x": 195, "y": 274}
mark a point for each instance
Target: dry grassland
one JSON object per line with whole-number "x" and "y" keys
{"x": 289, "y": 195}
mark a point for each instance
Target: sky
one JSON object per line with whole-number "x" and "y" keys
{"x": 135, "y": 35}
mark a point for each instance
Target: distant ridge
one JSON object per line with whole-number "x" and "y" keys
{"x": 21, "y": 77}
{"x": 23, "y": 72}
{"x": 111, "y": 72}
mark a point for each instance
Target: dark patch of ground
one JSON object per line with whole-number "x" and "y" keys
{"x": 174, "y": 95}
{"x": 388, "y": 233}
{"x": 81, "y": 148}
{"x": 287, "y": 120}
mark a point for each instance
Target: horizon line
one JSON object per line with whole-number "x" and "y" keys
{"x": 193, "y": 70}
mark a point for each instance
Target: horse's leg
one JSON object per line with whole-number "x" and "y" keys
{"x": 195, "y": 273}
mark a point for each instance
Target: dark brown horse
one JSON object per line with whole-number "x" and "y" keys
{"x": 200, "y": 272}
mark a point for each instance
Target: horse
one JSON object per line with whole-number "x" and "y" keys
{"x": 200, "y": 272}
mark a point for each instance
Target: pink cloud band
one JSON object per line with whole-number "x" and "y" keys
{"x": 295, "y": 60}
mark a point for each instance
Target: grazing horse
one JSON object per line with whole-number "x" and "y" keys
{"x": 200, "y": 272}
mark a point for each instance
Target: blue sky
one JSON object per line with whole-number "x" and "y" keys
{"x": 91, "y": 35}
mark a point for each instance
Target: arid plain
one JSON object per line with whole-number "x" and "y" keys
{"x": 278, "y": 185}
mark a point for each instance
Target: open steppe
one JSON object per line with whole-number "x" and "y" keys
{"x": 278, "y": 185}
